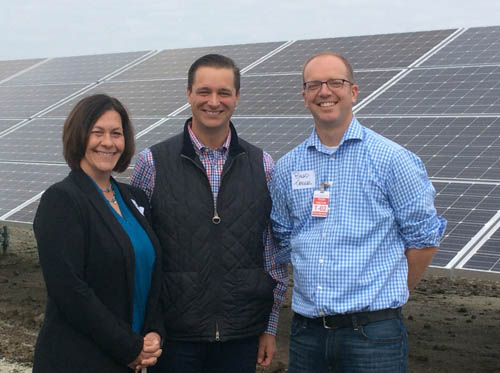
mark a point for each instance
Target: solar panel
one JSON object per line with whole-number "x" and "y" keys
{"x": 451, "y": 147}
{"x": 467, "y": 207}
{"x": 364, "y": 52}
{"x": 171, "y": 127}
{"x": 38, "y": 140}
{"x": 141, "y": 124}
{"x": 25, "y": 101}
{"x": 20, "y": 182}
{"x": 436, "y": 92}
{"x": 451, "y": 91}
{"x": 25, "y": 214}
{"x": 488, "y": 256}
{"x": 9, "y": 68}
{"x": 476, "y": 46}
{"x": 153, "y": 99}
{"x": 273, "y": 95}
{"x": 80, "y": 69}
{"x": 174, "y": 63}
{"x": 275, "y": 135}
{"x": 6, "y": 124}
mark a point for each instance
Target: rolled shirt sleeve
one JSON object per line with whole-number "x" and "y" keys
{"x": 411, "y": 196}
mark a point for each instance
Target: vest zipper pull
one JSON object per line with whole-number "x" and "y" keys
{"x": 216, "y": 218}
{"x": 217, "y": 335}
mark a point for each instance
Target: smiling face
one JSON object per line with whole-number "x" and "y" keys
{"x": 330, "y": 108}
{"x": 105, "y": 146}
{"x": 213, "y": 98}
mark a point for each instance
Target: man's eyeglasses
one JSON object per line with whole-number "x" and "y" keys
{"x": 332, "y": 84}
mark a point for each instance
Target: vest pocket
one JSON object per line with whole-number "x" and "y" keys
{"x": 181, "y": 290}
{"x": 250, "y": 296}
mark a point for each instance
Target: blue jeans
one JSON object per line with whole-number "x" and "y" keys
{"x": 380, "y": 346}
{"x": 239, "y": 356}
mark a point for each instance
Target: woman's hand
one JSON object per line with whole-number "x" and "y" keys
{"x": 150, "y": 353}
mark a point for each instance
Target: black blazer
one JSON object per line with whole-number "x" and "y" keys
{"x": 87, "y": 262}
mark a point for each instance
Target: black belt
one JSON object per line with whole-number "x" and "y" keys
{"x": 352, "y": 320}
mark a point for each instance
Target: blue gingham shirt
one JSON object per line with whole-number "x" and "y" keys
{"x": 381, "y": 202}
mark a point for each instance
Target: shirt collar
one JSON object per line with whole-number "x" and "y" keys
{"x": 354, "y": 132}
{"x": 199, "y": 146}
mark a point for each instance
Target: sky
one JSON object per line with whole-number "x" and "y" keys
{"x": 55, "y": 28}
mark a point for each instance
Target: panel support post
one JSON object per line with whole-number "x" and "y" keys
{"x": 5, "y": 239}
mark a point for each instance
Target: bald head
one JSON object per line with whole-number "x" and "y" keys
{"x": 349, "y": 70}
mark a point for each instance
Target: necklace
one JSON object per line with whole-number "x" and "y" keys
{"x": 113, "y": 199}
{"x": 109, "y": 190}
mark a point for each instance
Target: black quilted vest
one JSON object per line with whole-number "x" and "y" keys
{"x": 216, "y": 287}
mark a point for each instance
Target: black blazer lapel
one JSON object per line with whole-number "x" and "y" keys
{"x": 117, "y": 232}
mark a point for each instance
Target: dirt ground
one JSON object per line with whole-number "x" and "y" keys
{"x": 453, "y": 324}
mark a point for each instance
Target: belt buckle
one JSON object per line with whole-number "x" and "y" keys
{"x": 325, "y": 324}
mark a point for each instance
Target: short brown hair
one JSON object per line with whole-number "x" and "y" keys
{"x": 80, "y": 122}
{"x": 350, "y": 71}
{"x": 214, "y": 60}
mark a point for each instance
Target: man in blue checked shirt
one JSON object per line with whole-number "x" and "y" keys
{"x": 210, "y": 206}
{"x": 355, "y": 211}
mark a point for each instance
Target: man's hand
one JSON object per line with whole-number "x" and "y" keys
{"x": 267, "y": 349}
{"x": 150, "y": 352}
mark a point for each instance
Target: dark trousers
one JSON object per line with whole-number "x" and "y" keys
{"x": 238, "y": 356}
{"x": 377, "y": 347}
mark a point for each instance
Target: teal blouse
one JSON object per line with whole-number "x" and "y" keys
{"x": 144, "y": 257}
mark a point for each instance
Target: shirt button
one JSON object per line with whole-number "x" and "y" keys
{"x": 321, "y": 313}
{"x": 332, "y": 157}
{"x": 321, "y": 261}
{"x": 323, "y": 235}
{"x": 320, "y": 287}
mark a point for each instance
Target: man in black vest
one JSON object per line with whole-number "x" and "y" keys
{"x": 210, "y": 206}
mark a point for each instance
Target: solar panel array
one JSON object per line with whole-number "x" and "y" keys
{"x": 435, "y": 92}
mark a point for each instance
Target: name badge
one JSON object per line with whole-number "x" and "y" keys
{"x": 303, "y": 179}
{"x": 320, "y": 203}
